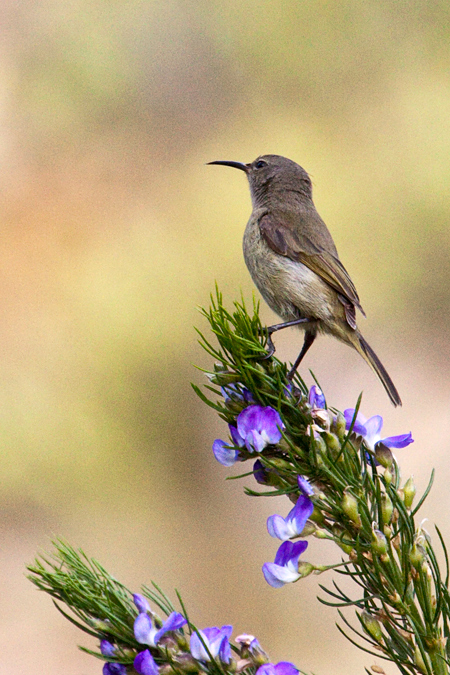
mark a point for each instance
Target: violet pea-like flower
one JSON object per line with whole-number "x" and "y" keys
{"x": 145, "y": 664}
{"x": 141, "y": 603}
{"x": 295, "y": 521}
{"x": 284, "y": 570}
{"x": 251, "y": 643}
{"x": 225, "y": 454}
{"x": 281, "y": 668}
{"x": 370, "y": 430}
{"x": 316, "y": 399}
{"x": 211, "y": 643}
{"x": 146, "y": 633}
{"x": 107, "y": 648}
{"x": 256, "y": 427}
{"x": 114, "y": 669}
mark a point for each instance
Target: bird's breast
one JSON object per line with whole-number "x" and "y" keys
{"x": 290, "y": 288}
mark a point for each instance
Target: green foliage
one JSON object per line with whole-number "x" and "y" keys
{"x": 100, "y": 605}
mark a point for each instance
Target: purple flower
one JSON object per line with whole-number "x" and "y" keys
{"x": 257, "y": 427}
{"x": 145, "y": 664}
{"x": 316, "y": 399}
{"x": 107, "y": 649}
{"x": 249, "y": 646}
{"x": 293, "y": 524}
{"x": 114, "y": 669}
{"x": 225, "y": 454}
{"x": 141, "y": 603}
{"x": 370, "y": 429}
{"x": 304, "y": 486}
{"x": 211, "y": 643}
{"x": 147, "y": 634}
{"x": 281, "y": 668}
{"x": 284, "y": 570}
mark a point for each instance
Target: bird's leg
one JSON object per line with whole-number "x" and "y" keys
{"x": 309, "y": 339}
{"x": 279, "y": 326}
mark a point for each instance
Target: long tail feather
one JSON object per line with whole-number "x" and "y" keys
{"x": 372, "y": 359}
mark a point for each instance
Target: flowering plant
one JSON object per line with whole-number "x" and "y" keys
{"x": 343, "y": 483}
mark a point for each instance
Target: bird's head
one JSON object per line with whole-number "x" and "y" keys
{"x": 270, "y": 176}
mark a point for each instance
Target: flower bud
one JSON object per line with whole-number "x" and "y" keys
{"x": 279, "y": 463}
{"x": 372, "y": 626}
{"x": 333, "y": 443}
{"x": 379, "y": 543}
{"x": 322, "y": 534}
{"x": 305, "y": 569}
{"x": 388, "y": 477}
{"x": 395, "y": 599}
{"x": 320, "y": 450}
{"x": 339, "y": 426}
{"x": 349, "y": 506}
{"x": 383, "y": 455}
{"x": 409, "y": 492}
{"x": 386, "y": 508}
{"x": 417, "y": 556}
{"x": 103, "y": 626}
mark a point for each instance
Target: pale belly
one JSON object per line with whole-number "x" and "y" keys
{"x": 290, "y": 288}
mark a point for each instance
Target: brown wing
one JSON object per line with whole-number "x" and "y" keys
{"x": 285, "y": 241}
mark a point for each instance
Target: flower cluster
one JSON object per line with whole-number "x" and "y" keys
{"x": 210, "y": 645}
{"x": 257, "y": 428}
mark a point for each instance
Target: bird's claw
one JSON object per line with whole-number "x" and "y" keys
{"x": 271, "y": 347}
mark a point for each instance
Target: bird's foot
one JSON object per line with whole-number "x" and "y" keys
{"x": 269, "y": 344}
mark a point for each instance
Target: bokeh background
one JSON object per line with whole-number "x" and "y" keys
{"x": 113, "y": 231}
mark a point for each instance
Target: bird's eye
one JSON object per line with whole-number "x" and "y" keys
{"x": 260, "y": 163}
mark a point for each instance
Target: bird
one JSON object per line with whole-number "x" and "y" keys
{"x": 293, "y": 261}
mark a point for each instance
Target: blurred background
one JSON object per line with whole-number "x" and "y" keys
{"x": 113, "y": 232}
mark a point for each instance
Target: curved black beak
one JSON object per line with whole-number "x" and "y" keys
{"x": 236, "y": 165}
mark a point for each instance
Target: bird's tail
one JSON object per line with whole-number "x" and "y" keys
{"x": 372, "y": 359}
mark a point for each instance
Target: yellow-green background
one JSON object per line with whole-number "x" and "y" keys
{"x": 113, "y": 231}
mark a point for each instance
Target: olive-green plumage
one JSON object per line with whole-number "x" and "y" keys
{"x": 294, "y": 263}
